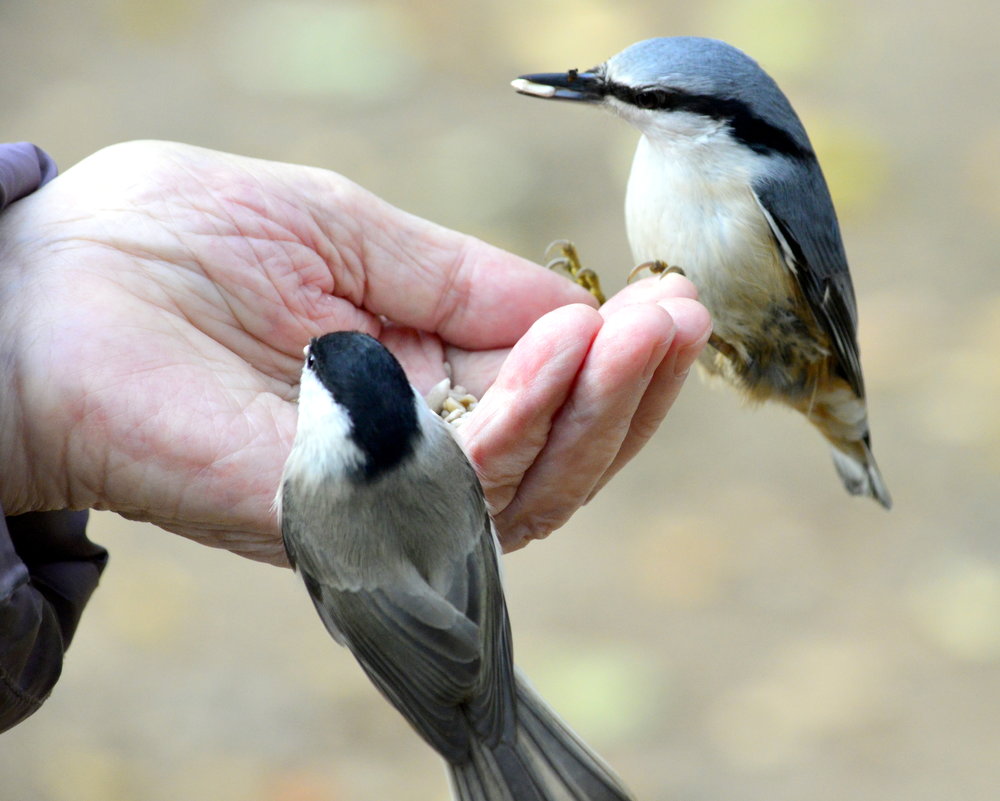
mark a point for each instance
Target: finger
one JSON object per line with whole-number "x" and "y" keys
{"x": 651, "y": 290}
{"x": 588, "y": 431}
{"x": 471, "y": 294}
{"x": 426, "y": 276}
{"x": 693, "y": 327}
{"x": 477, "y": 370}
{"x": 511, "y": 424}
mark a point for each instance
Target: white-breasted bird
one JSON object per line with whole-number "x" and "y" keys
{"x": 726, "y": 188}
{"x": 383, "y": 516}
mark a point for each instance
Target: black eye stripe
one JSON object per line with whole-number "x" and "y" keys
{"x": 754, "y": 132}
{"x": 652, "y": 99}
{"x": 647, "y": 97}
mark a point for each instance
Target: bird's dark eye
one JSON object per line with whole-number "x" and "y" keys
{"x": 310, "y": 360}
{"x": 651, "y": 98}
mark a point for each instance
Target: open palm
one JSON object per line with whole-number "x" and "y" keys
{"x": 156, "y": 299}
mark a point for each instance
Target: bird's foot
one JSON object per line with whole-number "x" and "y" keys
{"x": 724, "y": 348}
{"x": 656, "y": 267}
{"x": 568, "y": 261}
{"x": 661, "y": 268}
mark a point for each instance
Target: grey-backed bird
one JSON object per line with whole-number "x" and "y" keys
{"x": 725, "y": 187}
{"x": 384, "y": 518}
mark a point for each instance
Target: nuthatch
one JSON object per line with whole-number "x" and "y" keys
{"x": 725, "y": 187}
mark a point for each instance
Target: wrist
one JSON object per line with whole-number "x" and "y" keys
{"x": 16, "y": 496}
{"x": 23, "y": 169}
{"x": 29, "y": 431}
{"x": 14, "y": 488}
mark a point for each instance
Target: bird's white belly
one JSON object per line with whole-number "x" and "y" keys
{"x": 703, "y": 217}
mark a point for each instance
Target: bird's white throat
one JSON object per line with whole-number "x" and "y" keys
{"x": 323, "y": 451}
{"x": 690, "y": 204}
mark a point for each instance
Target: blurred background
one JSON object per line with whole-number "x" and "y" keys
{"x": 723, "y": 622}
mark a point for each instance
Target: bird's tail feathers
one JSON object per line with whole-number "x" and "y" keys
{"x": 548, "y": 762}
{"x": 860, "y": 473}
{"x": 496, "y": 774}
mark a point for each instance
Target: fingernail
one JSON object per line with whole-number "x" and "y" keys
{"x": 656, "y": 358}
{"x": 689, "y": 355}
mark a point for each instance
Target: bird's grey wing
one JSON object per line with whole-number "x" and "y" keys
{"x": 804, "y": 223}
{"x": 444, "y": 662}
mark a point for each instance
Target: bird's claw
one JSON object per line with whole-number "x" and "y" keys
{"x": 661, "y": 268}
{"x": 724, "y": 348}
{"x": 568, "y": 261}
{"x": 656, "y": 267}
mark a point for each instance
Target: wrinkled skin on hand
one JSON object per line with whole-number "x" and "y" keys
{"x": 155, "y": 300}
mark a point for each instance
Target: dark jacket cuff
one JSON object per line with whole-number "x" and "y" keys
{"x": 48, "y": 570}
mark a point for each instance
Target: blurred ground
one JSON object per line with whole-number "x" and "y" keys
{"x": 723, "y": 622}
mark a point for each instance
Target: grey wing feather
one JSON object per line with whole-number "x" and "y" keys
{"x": 802, "y": 218}
{"x": 445, "y": 663}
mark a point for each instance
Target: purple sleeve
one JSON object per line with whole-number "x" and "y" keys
{"x": 48, "y": 567}
{"x": 23, "y": 168}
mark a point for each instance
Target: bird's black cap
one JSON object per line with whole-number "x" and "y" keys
{"x": 366, "y": 380}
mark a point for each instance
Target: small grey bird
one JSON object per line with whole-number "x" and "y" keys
{"x": 384, "y": 518}
{"x": 725, "y": 187}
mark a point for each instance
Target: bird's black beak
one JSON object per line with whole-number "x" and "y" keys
{"x": 588, "y": 87}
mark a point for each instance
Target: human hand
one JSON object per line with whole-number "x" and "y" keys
{"x": 156, "y": 298}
